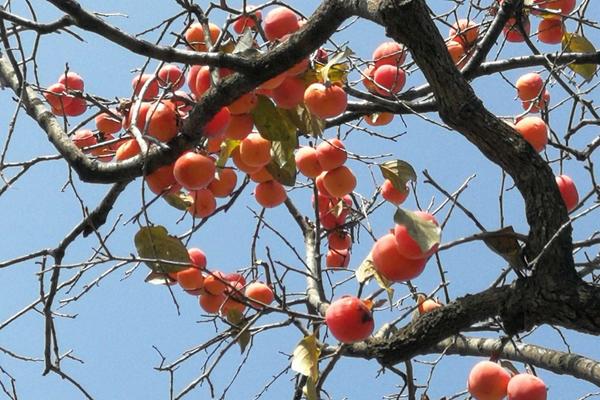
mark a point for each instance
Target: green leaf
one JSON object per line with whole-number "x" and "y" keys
{"x": 283, "y": 163}
{"x": 572, "y": 42}
{"x": 336, "y": 70}
{"x": 154, "y": 242}
{"x": 271, "y": 122}
{"x": 227, "y": 147}
{"x": 240, "y": 322}
{"x": 425, "y": 233}
{"x": 305, "y": 359}
{"x": 506, "y": 247}
{"x": 305, "y": 122}
{"x": 366, "y": 270}
{"x": 180, "y": 200}
{"x": 399, "y": 172}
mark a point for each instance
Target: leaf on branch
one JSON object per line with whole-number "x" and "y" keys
{"x": 572, "y": 42}
{"x": 180, "y": 200}
{"x": 156, "y": 278}
{"x": 336, "y": 70}
{"x": 305, "y": 122}
{"x": 245, "y": 45}
{"x": 310, "y": 390}
{"x": 154, "y": 242}
{"x": 240, "y": 322}
{"x": 227, "y": 148}
{"x": 305, "y": 359}
{"x": 366, "y": 270}
{"x": 425, "y": 233}
{"x": 506, "y": 247}
{"x": 283, "y": 162}
{"x": 271, "y": 122}
{"x": 399, "y": 172}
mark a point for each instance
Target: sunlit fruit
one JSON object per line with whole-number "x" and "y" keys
{"x": 513, "y": 33}
{"x": 162, "y": 121}
{"x": 71, "y": 80}
{"x": 529, "y": 86}
{"x": 197, "y": 257}
{"x": 379, "y": 119}
{"x": 389, "y": 80}
{"x": 551, "y": 30}
{"x": 270, "y": 194}
{"x": 534, "y": 130}
{"x": 279, "y": 22}
{"x": 289, "y": 93}
{"x": 428, "y": 305}
{"x": 170, "y": 74}
{"x": 260, "y": 176}
{"x": 325, "y": 101}
{"x": 77, "y": 107}
{"x": 349, "y": 319}
{"x": 537, "y": 104}
{"x": 307, "y": 162}
{"x": 391, "y": 194}
{"x": 128, "y": 149}
{"x": 224, "y": 183}
{"x": 215, "y": 283}
{"x": 255, "y": 150}
{"x": 162, "y": 180}
{"x": 204, "y": 203}
{"x": 194, "y": 171}
{"x": 211, "y": 303}
{"x": 339, "y": 240}
{"x": 247, "y": 21}
{"x": 241, "y": 165}
{"x": 568, "y": 191}
{"x": 526, "y": 387}
{"x": 488, "y": 381}
{"x": 244, "y": 104}
{"x": 139, "y": 84}
{"x": 331, "y": 154}
{"x": 391, "y": 53}
{"x": 84, "y": 138}
{"x": 260, "y": 292}
{"x": 108, "y": 123}
{"x": 239, "y": 127}
{"x": 337, "y": 258}
{"x": 56, "y": 96}
{"x": 339, "y": 181}
{"x": 196, "y": 38}
{"x": 190, "y": 278}
{"x": 392, "y": 264}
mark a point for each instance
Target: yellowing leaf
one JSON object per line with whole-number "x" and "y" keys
{"x": 366, "y": 270}
{"x": 305, "y": 359}
{"x": 179, "y": 200}
{"x": 572, "y": 42}
{"x": 227, "y": 148}
{"x": 154, "y": 242}
{"x": 335, "y": 70}
{"x": 310, "y": 390}
{"x": 399, "y": 172}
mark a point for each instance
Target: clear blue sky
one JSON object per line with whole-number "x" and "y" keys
{"x": 119, "y": 321}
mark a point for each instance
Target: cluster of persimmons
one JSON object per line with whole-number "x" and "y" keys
{"x": 159, "y": 106}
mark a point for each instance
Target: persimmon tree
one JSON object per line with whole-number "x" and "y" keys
{"x": 267, "y": 117}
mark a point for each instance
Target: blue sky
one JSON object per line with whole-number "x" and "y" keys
{"x": 118, "y": 322}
